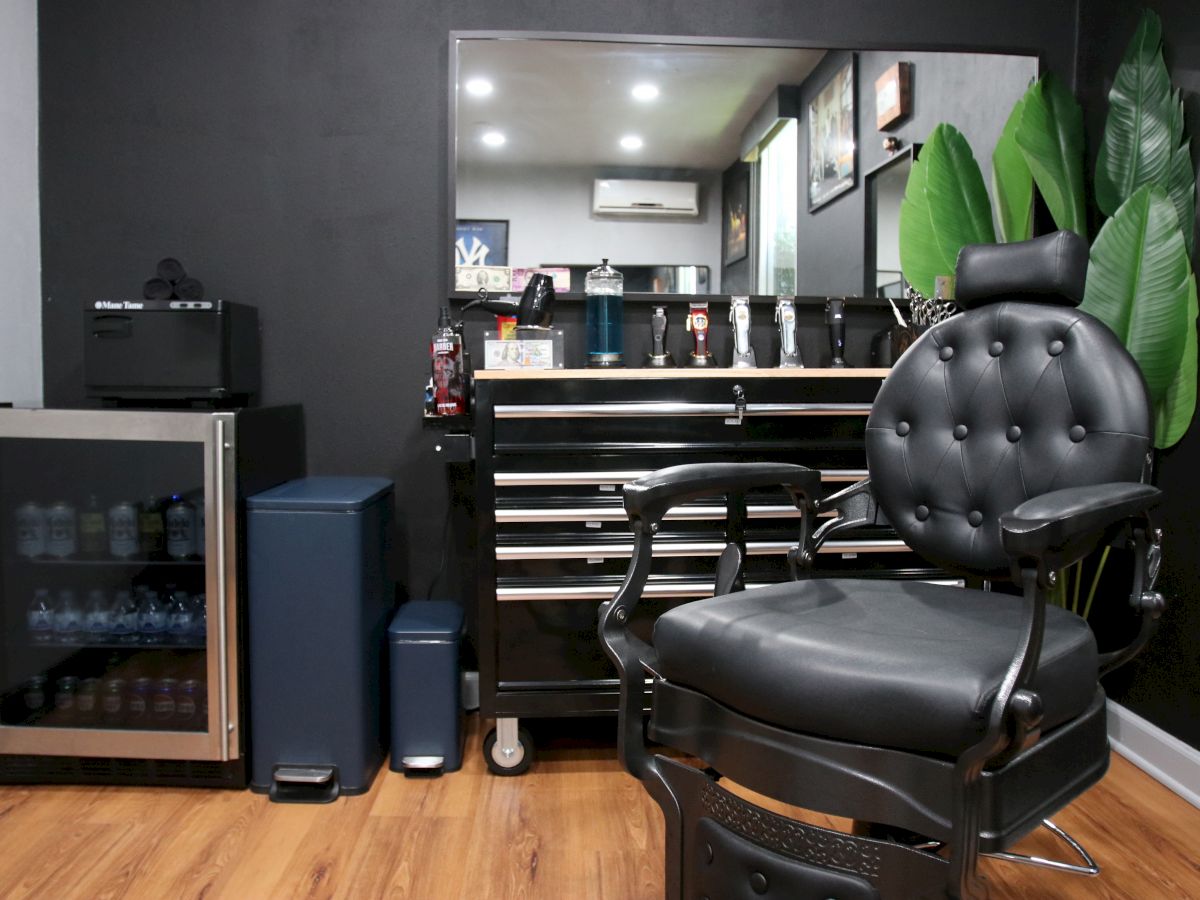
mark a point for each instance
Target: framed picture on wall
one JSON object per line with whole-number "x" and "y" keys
{"x": 481, "y": 242}
{"x": 832, "y": 148}
{"x": 735, "y": 218}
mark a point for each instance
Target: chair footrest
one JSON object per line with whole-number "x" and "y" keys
{"x": 1088, "y": 866}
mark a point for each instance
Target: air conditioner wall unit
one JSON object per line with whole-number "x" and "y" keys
{"x": 633, "y": 197}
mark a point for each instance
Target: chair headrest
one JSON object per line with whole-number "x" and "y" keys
{"x": 1049, "y": 269}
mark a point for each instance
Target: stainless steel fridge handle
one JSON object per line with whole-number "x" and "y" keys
{"x": 222, "y": 597}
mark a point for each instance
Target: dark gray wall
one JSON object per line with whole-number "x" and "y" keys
{"x": 976, "y": 99}
{"x": 293, "y": 155}
{"x": 1163, "y": 684}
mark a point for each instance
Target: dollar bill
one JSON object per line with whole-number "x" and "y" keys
{"x": 472, "y": 278}
{"x": 518, "y": 355}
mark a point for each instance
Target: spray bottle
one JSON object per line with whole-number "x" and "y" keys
{"x": 446, "y": 357}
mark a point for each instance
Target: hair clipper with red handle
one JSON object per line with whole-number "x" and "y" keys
{"x": 697, "y": 324}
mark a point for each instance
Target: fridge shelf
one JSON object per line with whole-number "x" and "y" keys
{"x": 109, "y": 563}
{"x": 198, "y": 644}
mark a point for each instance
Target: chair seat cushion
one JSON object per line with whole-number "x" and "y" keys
{"x": 900, "y": 664}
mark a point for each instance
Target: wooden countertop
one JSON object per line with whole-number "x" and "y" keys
{"x": 715, "y": 372}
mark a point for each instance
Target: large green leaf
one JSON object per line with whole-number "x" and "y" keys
{"x": 920, "y": 258}
{"x": 1181, "y": 187}
{"x": 1137, "y": 284}
{"x": 1142, "y": 130}
{"x": 945, "y": 207}
{"x": 1050, "y": 134}
{"x": 958, "y": 199}
{"x": 1174, "y": 414}
{"x": 1012, "y": 182}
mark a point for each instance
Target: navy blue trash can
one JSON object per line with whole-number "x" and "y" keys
{"x": 318, "y": 605}
{"x": 427, "y": 730}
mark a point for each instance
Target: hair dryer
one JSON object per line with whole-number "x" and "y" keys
{"x": 535, "y": 307}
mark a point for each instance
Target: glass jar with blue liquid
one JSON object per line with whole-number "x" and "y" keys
{"x": 604, "y": 287}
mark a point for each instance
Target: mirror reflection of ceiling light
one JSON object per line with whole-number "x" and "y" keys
{"x": 478, "y": 87}
{"x": 631, "y": 142}
{"x": 645, "y": 92}
{"x": 493, "y": 138}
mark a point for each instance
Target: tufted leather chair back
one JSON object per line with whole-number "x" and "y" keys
{"x": 1016, "y": 396}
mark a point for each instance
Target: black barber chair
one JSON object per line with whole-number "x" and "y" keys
{"x": 1007, "y": 443}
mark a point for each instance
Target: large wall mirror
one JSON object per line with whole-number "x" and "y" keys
{"x": 701, "y": 167}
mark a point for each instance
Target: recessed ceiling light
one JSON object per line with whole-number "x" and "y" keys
{"x": 478, "y": 87}
{"x": 645, "y": 92}
{"x": 493, "y": 138}
{"x": 631, "y": 142}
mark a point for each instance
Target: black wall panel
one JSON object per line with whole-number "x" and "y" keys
{"x": 294, "y": 155}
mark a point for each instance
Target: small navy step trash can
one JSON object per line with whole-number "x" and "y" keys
{"x": 318, "y": 605}
{"x": 427, "y": 732}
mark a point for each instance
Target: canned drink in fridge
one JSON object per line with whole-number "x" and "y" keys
{"x": 162, "y": 708}
{"x": 65, "y": 690}
{"x": 34, "y": 693}
{"x": 87, "y": 701}
{"x": 62, "y": 539}
{"x": 123, "y": 530}
{"x": 112, "y": 701}
{"x": 180, "y": 519}
{"x": 187, "y": 700}
{"x": 31, "y": 530}
{"x": 137, "y": 702}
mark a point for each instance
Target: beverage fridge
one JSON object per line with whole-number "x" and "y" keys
{"x": 122, "y": 589}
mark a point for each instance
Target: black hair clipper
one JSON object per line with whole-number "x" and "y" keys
{"x": 659, "y": 357}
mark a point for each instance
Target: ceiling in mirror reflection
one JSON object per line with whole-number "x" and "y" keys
{"x": 570, "y": 103}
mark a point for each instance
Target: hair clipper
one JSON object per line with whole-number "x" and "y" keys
{"x": 785, "y": 318}
{"x": 697, "y": 324}
{"x": 835, "y": 318}
{"x": 659, "y": 357}
{"x": 739, "y": 319}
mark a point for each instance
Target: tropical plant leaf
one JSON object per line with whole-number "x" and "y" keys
{"x": 1050, "y": 134}
{"x": 920, "y": 258}
{"x": 1012, "y": 182}
{"x": 1137, "y": 284}
{"x": 958, "y": 199}
{"x": 1142, "y": 129}
{"x": 1174, "y": 414}
{"x": 1181, "y": 187}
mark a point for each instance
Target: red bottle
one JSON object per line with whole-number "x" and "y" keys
{"x": 446, "y": 355}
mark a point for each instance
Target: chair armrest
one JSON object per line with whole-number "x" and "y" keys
{"x": 650, "y": 497}
{"x": 1062, "y": 526}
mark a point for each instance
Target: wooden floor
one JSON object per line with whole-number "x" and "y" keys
{"x": 575, "y": 827}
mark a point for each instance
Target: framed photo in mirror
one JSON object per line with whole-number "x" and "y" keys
{"x": 481, "y": 242}
{"x": 735, "y": 218}
{"x": 832, "y": 145}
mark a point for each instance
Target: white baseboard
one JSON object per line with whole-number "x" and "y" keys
{"x": 1159, "y": 754}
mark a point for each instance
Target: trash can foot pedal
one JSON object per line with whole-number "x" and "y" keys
{"x": 304, "y": 784}
{"x": 423, "y": 765}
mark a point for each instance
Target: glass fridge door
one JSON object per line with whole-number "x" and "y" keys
{"x": 111, "y": 603}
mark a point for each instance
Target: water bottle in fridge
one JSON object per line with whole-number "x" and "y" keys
{"x": 40, "y": 617}
{"x": 97, "y": 616}
{"x": 124, "y": 618}
{"x": 68, "y": 618}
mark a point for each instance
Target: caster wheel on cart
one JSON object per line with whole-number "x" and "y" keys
{"x": 516, "y": 763}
